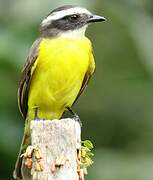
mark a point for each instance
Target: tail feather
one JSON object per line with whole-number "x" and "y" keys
{"x": 17, "y": 171}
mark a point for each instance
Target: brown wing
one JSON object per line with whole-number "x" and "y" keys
{"x": 26, "y": 78}
{"x": 87, "y": 76}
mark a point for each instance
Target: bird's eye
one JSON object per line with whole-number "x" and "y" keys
{"x": 73, "y": 17}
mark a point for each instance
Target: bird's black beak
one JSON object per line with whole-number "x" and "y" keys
{"x": 96, "y": 18}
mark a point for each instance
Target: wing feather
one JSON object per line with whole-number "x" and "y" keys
{"x": 26, "y": 76}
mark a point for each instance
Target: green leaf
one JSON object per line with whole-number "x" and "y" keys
{"x": 90, "y": 154}
{"x": 88, "y": 144}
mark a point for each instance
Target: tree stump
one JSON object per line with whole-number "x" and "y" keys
{"x": 55, "y": 146}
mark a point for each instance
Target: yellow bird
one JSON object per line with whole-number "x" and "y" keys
{"x": 58, "y": 68}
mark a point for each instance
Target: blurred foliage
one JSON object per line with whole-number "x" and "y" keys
{"x": 116, "y": 109}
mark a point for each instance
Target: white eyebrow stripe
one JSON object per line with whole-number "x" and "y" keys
{"x": 61, "y": 14}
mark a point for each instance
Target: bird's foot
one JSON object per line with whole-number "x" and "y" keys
{"x": 75, "y": 116}
{"x": 36, "y": 108}
{"x": 37, "y": 119}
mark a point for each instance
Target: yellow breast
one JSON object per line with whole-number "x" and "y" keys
{"x": 58, "y": 75}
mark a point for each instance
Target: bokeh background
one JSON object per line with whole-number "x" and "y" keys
{"x": 117, "y": 108}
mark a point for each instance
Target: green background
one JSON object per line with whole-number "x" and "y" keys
{"x": 117, "y": 108}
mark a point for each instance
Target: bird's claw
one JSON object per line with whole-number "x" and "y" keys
{"x": 75, "y": 116}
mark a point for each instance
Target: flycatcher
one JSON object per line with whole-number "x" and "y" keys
{"x": 58, "y": 68}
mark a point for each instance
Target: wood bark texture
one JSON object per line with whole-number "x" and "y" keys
{"x": 57, "y": 142}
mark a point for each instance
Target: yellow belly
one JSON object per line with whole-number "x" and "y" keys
{"x": 58, "y": 76}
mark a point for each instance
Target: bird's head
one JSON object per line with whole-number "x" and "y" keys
{"x": 68, "y": 20}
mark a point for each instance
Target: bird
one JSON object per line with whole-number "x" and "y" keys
{"x": 57, "y": 70}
